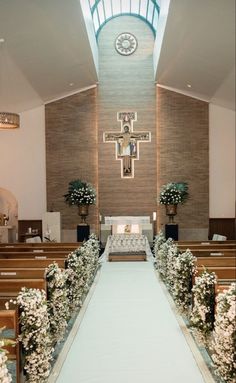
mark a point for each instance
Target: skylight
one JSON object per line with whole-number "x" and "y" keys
{"x": 104, "y": 10}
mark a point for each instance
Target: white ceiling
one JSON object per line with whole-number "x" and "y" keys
{"x": 47, "y": 48}
{"x": 199, "y": 49}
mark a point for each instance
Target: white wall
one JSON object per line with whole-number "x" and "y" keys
{"x": 222, "y": 162}
{"x": 22, "y": 163}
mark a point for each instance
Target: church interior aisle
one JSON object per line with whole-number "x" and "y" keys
{"x": 129, "y": 333}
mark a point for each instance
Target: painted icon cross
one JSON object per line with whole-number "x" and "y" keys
{"x": 127, "y": 142}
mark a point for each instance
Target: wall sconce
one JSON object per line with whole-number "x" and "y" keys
{"x": 100, "y": 218}
{"x": 154, "y": 216}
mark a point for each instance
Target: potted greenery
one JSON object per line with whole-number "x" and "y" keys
{"x": 81, "y": 194}
{"x": 171, "y": 195}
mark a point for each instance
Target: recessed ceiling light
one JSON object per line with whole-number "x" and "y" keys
{"x": 71, "y": 84}
{"x": 2, "y": 40}
{"x": 189, "y": 85}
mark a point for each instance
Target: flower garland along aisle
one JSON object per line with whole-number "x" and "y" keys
{"x": 58, "y": 301}
{"x": 202, "y": 314}
{"x": 161, "y": 258}
{"x": 172, "y": 255}
{"x": 224, "y": 335}
{"x": 5, "y": 376}
{"x": 184, "y": 269}
{"x": 158, "y": 241}
{"x": 35, "y": 338}
{"x": 82, "y": 265}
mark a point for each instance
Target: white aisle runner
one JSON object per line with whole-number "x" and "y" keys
{"x": 129, "y": 333}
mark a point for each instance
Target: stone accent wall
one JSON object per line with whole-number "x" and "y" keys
{"x": 126, "y": 83}
{"x": 71, "y": 152}
{"x": 183, "y": 155}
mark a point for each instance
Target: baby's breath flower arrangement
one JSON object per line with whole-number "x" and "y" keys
{"x": 158, "y": 241}
{"x": 173, "y": 193}
{"x": 161, "y": 258}
{"x": 202, "y": 315}
{"x": 184, "y": 268}
{"x": 224, "y": 335}
{"x": 58, "y": 302}
{"x": 5, "y": 376}
{"x": 80, "y": 193}
{"x": 35, "y": 339}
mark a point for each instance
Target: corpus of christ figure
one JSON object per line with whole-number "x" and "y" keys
{"x": 127, "y": 142}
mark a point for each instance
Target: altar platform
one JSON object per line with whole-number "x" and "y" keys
{"x": 126, "y": 248}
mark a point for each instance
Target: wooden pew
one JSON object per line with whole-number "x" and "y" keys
{"x": 213, "y": 253}
{"x": 206, "y": 243}
{"x": 10, "y": 288}
{"x": 41, "y": 245}
{"x": 37, "y": 248}
{"x": 22, "y": 273}
{"x": 222, "y": 272}
{"x": 36, "y": 254}
{"x": 9, "y": 320}
{"x": 216, "y": 261}
{"x": 30, "y": 263}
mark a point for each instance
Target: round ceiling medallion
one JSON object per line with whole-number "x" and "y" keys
{"x": 126, "y": 44}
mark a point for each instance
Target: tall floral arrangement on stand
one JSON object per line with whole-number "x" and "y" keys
{"x": 58, "y": 302}
{"x": 202, "y": 314}
{"x": 35, "y": 339}
{"x": 184, "y": 268}
{"x": 80, "y": 193}
{"x": 224, "y": 335}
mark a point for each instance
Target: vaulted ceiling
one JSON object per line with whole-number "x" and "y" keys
{"x": 47, "y": 51}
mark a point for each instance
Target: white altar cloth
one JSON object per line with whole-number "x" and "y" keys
{"x": 127, "y": 220}
{"x": 126, "y": 243}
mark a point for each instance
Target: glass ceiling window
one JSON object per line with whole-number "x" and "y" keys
{"x": 104, "y": 10}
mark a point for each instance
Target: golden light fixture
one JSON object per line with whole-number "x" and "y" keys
{"x": 9, "y": 120}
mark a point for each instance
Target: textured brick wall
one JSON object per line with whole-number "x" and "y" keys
{"x": 182, "y": 147}
{"x": 126, "y": 84}
{"x": 71, "y": 151}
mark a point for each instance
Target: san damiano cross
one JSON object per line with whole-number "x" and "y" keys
{"x": 127, "y": 142}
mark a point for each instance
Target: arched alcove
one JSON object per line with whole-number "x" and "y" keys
{"x": 9, "y": 207}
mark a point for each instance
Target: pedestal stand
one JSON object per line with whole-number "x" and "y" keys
{"x": 83, "y": 232}
{"x": 172, "y": 231}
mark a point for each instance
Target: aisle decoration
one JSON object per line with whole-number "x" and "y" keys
{"x": 184, "y": 269}
{"x": 224, "y": 335}
{"x": 35, "y": 338}
{"x": 161, "y": 257}
{"x": 58, "y": 301}
{"x": 202, "y": 315}
{"x": 172, "y": 255}
{"x": 158, "y": 241}
{"x": 81, "y": 268}
{"x": 5, "y": 376}
{"x": 81, "y": 194}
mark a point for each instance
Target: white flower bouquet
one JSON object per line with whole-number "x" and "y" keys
{"x": 80, "y": 193}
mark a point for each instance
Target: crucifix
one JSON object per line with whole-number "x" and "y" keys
{"x": 127, "y": 142}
